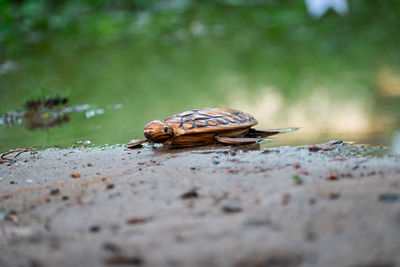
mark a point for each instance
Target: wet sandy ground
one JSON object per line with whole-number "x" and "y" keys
{"x": 223, "y": 206}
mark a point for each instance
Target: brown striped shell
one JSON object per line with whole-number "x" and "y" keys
{"x": 210, "y": 120}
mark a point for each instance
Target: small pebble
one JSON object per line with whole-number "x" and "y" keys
{"x": 332, "y": 176}
{"x": 94, "y": 228}
{"x": 231, "y": 207}
{"x": 75, "y": 175}
{"x": 192, "y": 193}
{"x": 110, "y": 186}
{"x": 1, "y": 178}
{"x": 314, "y": 148}
{"x": 137, "y": 220}
{"x": 215, "y": 161}
{"x": 89, "y": 164}
{"x": 54, "y": 191}
{"x": 65, "y": 198}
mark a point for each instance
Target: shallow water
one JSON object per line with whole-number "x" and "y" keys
{"x": 333, "y": 85}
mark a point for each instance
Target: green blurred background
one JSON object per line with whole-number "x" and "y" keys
{"x": 129, "y": 62}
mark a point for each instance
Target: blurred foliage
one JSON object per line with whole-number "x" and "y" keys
{"x": 33, "y": 21}
{"x": 36, "y": 21}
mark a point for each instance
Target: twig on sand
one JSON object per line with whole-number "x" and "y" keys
{"x": 19, "y": 151}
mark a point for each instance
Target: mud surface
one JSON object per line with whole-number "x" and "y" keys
{"x": 327, "y": 205}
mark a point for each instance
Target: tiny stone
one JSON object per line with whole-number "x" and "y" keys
{"x": 65, "y": 198}
{"x": 231, "y": 207}
{"x": 215, "y": 161}
{"x": 333, "y": 176}
{"x": 75, "y": 175}
{"x": 94, "y": 228}
{"x": 136, "y": 220}
{"x": 110, "y": 186}
{"x": 189, "y": 194}
{"x": 54, "y": 191}
{"x": 314, "y": 148}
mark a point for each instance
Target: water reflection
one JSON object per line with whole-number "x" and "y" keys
{"x": 388, "y": 83}
{"x": 316, "y": 114}
{"x": 49, "y": 112}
